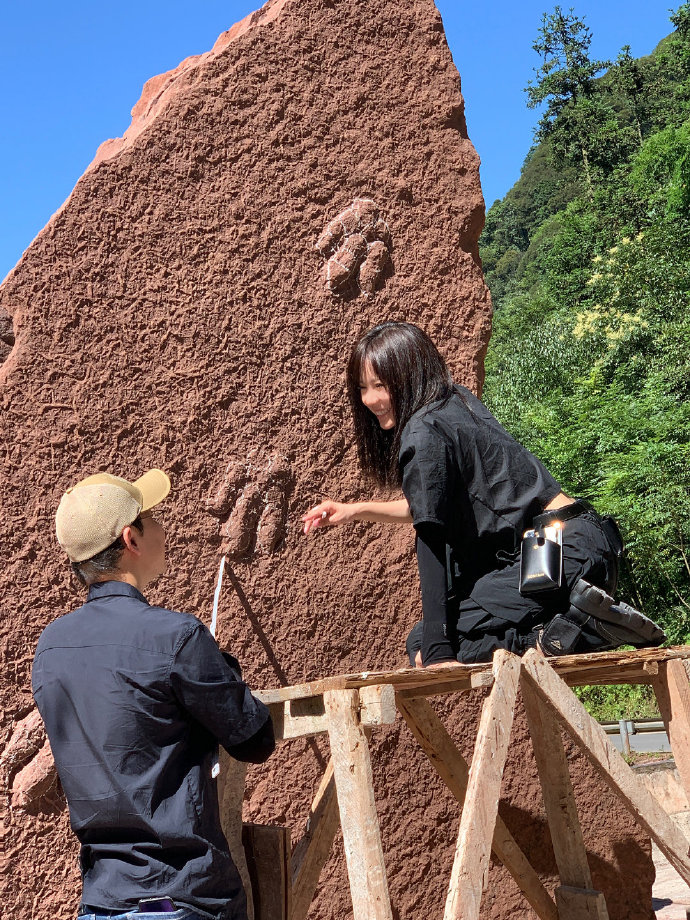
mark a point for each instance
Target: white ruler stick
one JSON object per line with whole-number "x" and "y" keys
{"x": 215, "y": 769}
{"x": 216, "y": 597}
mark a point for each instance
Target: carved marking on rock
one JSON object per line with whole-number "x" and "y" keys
{"x": 250, "y": 498}
{"x": 6, "y": 335}
{"x": 356, "y": 244}
{"x": 26, "y": 765}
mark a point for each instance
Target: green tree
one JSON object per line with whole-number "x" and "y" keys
{"x": 660, "y": 175}
{"x": 670, "y": 73}
{"x": 565, "y": 86}
{"x": 588, "y": 362}
{"x": 628, "y": 78}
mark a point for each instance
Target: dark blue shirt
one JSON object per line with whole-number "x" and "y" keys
{"x": 135, "y": 700}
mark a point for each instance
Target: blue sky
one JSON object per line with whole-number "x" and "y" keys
{"x": 70, "y": 73}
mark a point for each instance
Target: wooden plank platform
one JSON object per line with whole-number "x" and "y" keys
{"x": 639, "y": 666}
{"x": 348, "y": 707}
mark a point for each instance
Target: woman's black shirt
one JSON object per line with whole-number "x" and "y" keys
{"x": 472, "y": 491}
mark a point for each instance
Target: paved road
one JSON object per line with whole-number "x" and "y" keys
{"x": 644, "y": 742}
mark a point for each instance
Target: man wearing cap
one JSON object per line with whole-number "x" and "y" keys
{"x": 135, "y": 699}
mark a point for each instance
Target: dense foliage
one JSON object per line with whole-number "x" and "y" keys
{"x": 588, "y": 261}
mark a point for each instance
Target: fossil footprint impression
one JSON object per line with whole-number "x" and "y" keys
{"x": 250, "y": 498}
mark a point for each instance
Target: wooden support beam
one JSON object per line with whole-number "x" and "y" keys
{"x": 305, "y": 716}
{"x": 268, "y": 860}
{"x": 231, "y": 783}
{"x": 592, "y": 740}
{"x": 451, "y": 766}
{"x": 298, "y": 718}
{"x": 377, "y": 705}
{"x": 672, "y": 690}
{"x": 448, "y": 678}
{"x": 442, "y": 685}
{"x": 580, "y": 904}
{"x": 311, "y": 853}
{"x": 483, "y": 791}
{"x": 358, "y": 818}
{"x": 561, "y": 809}
{"x": 606, "y": 677}
{"x": 618, "y": 666}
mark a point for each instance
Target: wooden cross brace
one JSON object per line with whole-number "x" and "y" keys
{"x": 345, "y": 796}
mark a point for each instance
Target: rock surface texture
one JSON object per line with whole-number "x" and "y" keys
{"x": 175, "y": 313}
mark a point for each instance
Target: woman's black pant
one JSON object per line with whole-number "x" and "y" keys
{"x": 495, "y": 615}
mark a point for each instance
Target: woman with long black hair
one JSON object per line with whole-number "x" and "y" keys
{"x": 471, "y": 491}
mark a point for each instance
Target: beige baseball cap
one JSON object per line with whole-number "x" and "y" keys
{"x": 93, "y": 513}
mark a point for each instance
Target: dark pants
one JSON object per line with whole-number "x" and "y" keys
{"x": 495, "y": 615}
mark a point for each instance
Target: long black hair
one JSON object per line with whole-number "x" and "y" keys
{"x": 409, "y": 365}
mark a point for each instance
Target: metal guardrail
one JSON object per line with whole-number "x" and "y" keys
{"x": 634, "y": 726}
{"x": 627, "y": 728}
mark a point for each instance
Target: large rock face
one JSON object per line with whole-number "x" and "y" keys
{"x": 177, "y": 313}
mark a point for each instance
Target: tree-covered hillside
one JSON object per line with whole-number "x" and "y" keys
{"x": 588, "y": 261}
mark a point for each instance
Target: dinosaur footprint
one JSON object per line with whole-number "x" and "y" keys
{"x": 357, "y": 246}
{"x": 250, "y": 498}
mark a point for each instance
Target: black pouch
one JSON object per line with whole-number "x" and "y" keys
{"x": 560, "y": 636}
{"x": 541, "y": 563}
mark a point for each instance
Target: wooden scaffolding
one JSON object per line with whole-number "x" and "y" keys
{"x": 347, "y": 708}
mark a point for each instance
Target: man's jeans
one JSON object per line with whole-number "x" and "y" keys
{"x": 184, "y": 913}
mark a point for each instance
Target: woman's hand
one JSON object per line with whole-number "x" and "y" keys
{"x": 451, "y": 663}
{"x": 328, "y": 513}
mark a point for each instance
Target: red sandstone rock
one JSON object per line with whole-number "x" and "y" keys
{"x": 172, "y": 314}
{"x": 35, "y": 780}
{"x": 26, "y": 740}
{"x": 356, "y": 245}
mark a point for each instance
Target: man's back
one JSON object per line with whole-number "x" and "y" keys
{"x": 135, "y": 699}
